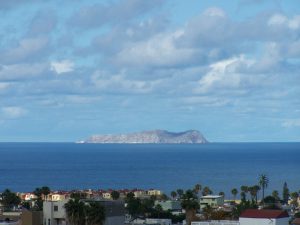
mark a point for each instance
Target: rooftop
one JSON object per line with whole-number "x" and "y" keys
{"x": 264, "y": 213}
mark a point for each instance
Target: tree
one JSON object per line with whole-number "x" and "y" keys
{"x": 75, "y": 211}
{"x": 41, "y": 194}
{"x": 79, "y": 213}
{"x": 263, "y": 182}
{"x": 190, "y": 204}
{"x": 9, "y": 199}
{"x": 285, "y": 193}
{"x": 234, "y": 192}
{"x": 294, "y": 196}
{"x": 173, "y": 194}
{"x": 253, "y": 190}
{"x": 275, "y": 194}
{"x": 180, "y": 192}
{"x": 197, "y": 188}
{"x": 95, "y": 213}
{"x": 206, "y": 191}
{"x": 245, "y": 189}
{"x": 115, "y": 195}
{"x": 222, "y": 193}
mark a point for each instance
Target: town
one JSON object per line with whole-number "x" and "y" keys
{"x": 196, "y": 206}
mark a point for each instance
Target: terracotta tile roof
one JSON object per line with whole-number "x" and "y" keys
{"x": 296, "y": 221}
{"x": 264, "y": 213}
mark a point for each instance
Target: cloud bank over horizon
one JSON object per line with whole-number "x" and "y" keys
{"x": 75, "y": 68}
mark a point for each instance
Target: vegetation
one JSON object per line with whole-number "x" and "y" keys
{"x": 115, "y": 195}
{"x": 190, "y": 204}
{"x": 263, "y": 182}
{"x": 234, "y": 192}
{"x": 9, "y": 200}
{"x": 79, "y": 213}
{"x": 285, "y": 193}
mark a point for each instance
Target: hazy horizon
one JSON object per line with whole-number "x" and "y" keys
{"x": 71, "y": 69}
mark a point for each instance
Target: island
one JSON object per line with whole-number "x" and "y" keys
{"x": 150, "y": 137}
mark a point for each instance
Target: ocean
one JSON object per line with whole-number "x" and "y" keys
{"x": 221, "y": 166}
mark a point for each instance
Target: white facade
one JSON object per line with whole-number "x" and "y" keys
{"x": 217, "y": 222}
{"x": 264, "y": 221}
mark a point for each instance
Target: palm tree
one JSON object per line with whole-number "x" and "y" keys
{"x": 75, "y": 210}
{"x": 263, "y": 182}
{"x": 173, "y": 194}
{"x": 245, "y": 189}
{"x": 222, "y": 193}
{"x": 180, "y": 192}
{"x": 206, "y": 191}
{"x": 275, "y": 194}
{"x": 95, "y": 214}
{"x": 197, "y": 188}
{"x": 190, "y": 204}
{"x": 234, "y": 192}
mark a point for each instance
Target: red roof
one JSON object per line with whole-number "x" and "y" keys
{"x": 296, "y": 221}
{"x": 264, "y": 213}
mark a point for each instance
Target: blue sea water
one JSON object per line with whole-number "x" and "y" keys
{"x": 221, "y": 166}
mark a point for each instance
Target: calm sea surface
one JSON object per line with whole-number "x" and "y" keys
{"x": 24, "y": 166}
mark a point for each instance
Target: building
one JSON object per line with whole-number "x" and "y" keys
{"x": 169, "y": 205}
{"x": 154, "y": 192}
{"x": 296, "y": 221}
{"x": 212, "y": 201}
{"x": 31, "y": 217}
{"x": 217, "y": 222}
{"x": 55, "y": 214}
{"x": 264, "y": 217}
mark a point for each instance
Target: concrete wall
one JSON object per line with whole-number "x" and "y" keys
{"x": 32, "y": 218}
{"x": 258, "y": 221}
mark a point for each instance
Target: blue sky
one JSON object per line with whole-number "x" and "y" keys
{"x": 70, "y": 69}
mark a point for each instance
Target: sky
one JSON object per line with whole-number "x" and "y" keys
{"x": 70, "y": 69}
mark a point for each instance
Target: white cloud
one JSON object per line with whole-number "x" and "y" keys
{"x": 107, "y": 82}
{"x": 226, "y": 74}
{"x": 214, "y": 12}
{"x": 27, "y": 49}
{"x": 21, "y": 71}
{"x": 13, "y": 112}
{"x": 63, "y": 66}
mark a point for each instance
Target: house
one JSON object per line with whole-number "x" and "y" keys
{"x": 169, "y": 205}
{"x": 211, "y": 200}
{"x": 153, "y": 192}
{"x": 264, "y": 217}
{"x": 217, "y": 222}
{"x": 296, "y": 221}
{"x": 31, "y": 217}
{"x": 55, "y": 213}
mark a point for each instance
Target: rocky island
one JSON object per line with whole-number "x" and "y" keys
{"x": 150, "y": 137}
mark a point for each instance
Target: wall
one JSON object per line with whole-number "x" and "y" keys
{"x": 254, "y": 221}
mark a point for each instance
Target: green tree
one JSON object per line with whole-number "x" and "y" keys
{"x": 222, "y": 193}
{"x": 197, "y": 188}
{"x": 294, "y": 196}
{"x": 190, "y": 204}
{"x": 234, "y": 192}
{"x": 173, "y": 194}
{"x": 115, "y": 195}
{"x": 206, "y": 191}
{"x": 245, "y": 189}
{"x": 263, "y": 182}
{"x": 95, "y": 213}
{"x": 9, "y": 199}
{"x": 285, "y": 193}
{"x": 275, "y": 194}
{"x": 180, "y": 192}
{"x": 75, "y": 211}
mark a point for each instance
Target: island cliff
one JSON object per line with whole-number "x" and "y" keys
{"x": 153, "y": 136}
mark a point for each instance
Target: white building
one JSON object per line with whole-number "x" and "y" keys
{"x": 55, "y": 213}
{"x": 211, "y": 200}
{"x": 217, "y": 222}
{"x": 264, "y": 217}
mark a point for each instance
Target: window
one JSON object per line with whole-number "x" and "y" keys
{"x": 55, "y": 208}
